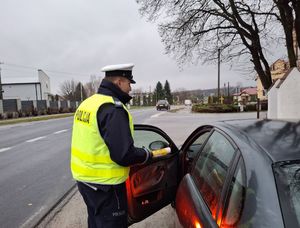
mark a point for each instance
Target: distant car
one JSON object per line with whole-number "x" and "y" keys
{"x": 187, "y": 102}
{"x": 239, "y": 173}
{"x": 162, "y": 105}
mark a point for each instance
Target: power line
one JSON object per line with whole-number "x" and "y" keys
{"x": 48, "y": 70}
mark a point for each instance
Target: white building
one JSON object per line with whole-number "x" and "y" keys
{"x": 284, "y": 97}
{"x": 36, "y": 88}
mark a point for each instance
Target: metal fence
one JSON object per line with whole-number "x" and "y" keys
{"x": 27, "y": 106}
{"x": 10, "y": 105}
{"x": 42, "y": 105}
{"x": 16, "y": 107}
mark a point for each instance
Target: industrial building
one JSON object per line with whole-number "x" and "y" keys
{"x": 34, "y": 88}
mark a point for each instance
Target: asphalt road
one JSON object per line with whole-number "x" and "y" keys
{"x": 34, "y": 168}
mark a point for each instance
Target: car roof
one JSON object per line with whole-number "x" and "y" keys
{"x": 279, "y": 139}
{"x": 162, "y": 101}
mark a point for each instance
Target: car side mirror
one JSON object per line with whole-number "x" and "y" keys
{"x": 156, "y": 145}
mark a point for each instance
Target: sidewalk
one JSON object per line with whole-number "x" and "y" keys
{"x": 71, "y": 213}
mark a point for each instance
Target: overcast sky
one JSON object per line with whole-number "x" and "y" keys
{"x": 82, "y": 36}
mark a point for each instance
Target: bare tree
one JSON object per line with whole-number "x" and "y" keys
{"x": 92, "y": 86}
{"x": 289, "y": 17}
{"x": 198, "y": 29}
{"x": 296, "y": 7}
{"x": 72, "y": 90}
{"x": 80, "y": 93}
{"x": 67, "y": 89}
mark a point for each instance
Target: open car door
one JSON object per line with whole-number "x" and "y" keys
{"x": 152, "y": 186}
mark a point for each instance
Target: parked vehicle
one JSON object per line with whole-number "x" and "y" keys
{"x": 239, "y": 173}
{"x": 187, "y": 102}
{"x": 162, "y": 104}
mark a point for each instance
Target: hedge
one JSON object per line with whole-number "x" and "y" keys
{"x": 215, "y": 108}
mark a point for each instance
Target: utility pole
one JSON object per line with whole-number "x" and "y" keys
{"x": 228, "y": 90}
{"x": 1, "y": 91}
{"x": 219, "y": 75}
{"x": 80, "y": 91}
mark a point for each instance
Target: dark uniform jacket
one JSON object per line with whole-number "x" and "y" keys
{"x": 113, "y": 123}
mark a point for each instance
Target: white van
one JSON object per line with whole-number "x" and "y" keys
{"x": 187, "y": 102}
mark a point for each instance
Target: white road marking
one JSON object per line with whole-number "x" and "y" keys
{"x": 58, "y": 132}
{"x": 156, "y": 115}
{"x": 5, "y": 149}
{"x": 36, "y": 139}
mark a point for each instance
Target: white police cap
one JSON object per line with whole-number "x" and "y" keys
{"x": 121, "y": 70}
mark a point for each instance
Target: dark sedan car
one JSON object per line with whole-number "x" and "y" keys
{"x": 162, "y": 105}
{"x": 242, "y": 173}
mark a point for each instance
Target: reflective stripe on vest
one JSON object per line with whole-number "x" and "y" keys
{"x": 90, "y": 158}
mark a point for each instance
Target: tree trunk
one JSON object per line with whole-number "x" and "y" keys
{"x": 296, "y": 6}
{"x": 286, "y": 15}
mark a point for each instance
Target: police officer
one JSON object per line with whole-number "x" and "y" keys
{"x": 103, "y": 148}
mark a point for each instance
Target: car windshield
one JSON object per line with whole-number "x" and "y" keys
{"x": 287, "y": 175}
{"x": 162, "y": 102}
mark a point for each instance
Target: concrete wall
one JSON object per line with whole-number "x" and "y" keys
{"x": 22, "y": 91}
{"x": 289, "y": 97}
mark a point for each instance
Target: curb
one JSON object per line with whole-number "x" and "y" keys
{"x": 56, "y": 208}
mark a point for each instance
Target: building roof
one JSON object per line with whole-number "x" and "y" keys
{"x": 250, "y": 91}
{"x": 20, "y": 80}
{"x": 284, "y": 77}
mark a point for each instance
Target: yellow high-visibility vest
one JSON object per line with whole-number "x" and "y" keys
{"x": 90, "y": 157}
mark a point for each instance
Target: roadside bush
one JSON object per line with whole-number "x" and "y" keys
{"x": 64, "y": 110}
{"x": 250, "y": 107}
{"x": 42, "y": 112}
{"x": 35, "y": 112}
{"x": 72, "y": 109}
{"x": 52, "y": 111}
{"x": 19, "y": 114}
{"x": 215, "y": 108}
{"x": 9, "y": 115}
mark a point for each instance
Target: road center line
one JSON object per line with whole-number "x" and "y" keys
{"x": 156, "y": 115}
{"x": 36, "y": 139}
{"x": 58, "y": 132}
{"x": 4, "y": 149}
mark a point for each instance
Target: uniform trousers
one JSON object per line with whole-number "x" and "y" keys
{"x": 106, "y": 205}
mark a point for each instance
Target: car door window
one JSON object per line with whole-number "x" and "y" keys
{"x": 211, "y": 169}
{"x": 235, "y": 200}
{"x": 150, "y": 140}
{"x": 196, "y": 145}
